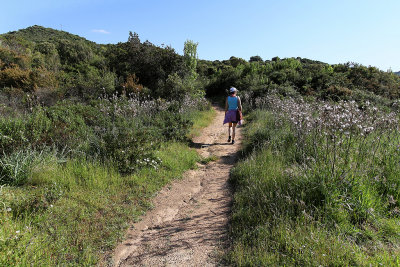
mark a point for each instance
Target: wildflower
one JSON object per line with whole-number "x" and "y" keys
{"x": 8, "y": 209}
{"x": 368, "y": 130}
{"x": 392, "y": 200}
{"x": 370, "y": 210}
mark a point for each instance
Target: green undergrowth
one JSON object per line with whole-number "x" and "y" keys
{"x": 291, "y": 213}
{"x": 73, "y": 211}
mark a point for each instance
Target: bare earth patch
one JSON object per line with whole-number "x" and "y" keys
{"x": 189, "y": 222}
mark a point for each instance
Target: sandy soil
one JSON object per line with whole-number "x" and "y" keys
{"x": 189, "y": 222}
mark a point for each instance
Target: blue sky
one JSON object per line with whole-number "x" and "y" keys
{"x": 332, "y": 31}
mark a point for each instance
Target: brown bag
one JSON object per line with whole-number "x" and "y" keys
{"x": 239, "y": 116}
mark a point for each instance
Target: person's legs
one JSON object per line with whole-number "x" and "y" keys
{"x": 229, "y": 131}
{"x": 233, "y": 132}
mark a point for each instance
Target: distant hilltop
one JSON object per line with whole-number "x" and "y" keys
{"x": 398, "y": 73}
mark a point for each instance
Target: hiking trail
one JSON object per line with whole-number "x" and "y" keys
{"x": 188, "y": 225}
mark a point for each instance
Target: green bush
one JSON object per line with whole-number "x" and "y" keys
{"x": 63, "y": 126}
{"x": 127, "y": 144}
{"x": 12, "y": 134}
{"x": 70, "y": 127}
{"x": 172, "y": 124}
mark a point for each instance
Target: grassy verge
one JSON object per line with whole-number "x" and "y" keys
{"x": 289, "y": 212}
{"x": 200, "y": 120}
{"x": 74, "y": 212}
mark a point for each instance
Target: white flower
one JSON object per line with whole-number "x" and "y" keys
{"x": 8, "y": 209}
{"x": 17, "y": 232}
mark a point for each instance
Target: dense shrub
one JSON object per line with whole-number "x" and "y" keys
{"x": 173, "y": 124}
{"x": 16, "y": 77}
{"x": 127, "y": 143}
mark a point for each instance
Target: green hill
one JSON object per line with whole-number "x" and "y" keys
{"x": 39, "y": 34}
{"x": 82, "y": 68}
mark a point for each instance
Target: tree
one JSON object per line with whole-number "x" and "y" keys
{"x": 190, "y": 56}
{"x": 236, "y": 61}
{"x": 256, "y": 59}
{"x": 275, "y": 59}
{"x": 134, "y": 38}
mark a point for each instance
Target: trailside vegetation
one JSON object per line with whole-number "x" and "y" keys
{"x": 318, "y": 185}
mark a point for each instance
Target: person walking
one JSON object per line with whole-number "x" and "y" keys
{"x": 233, "y": 107}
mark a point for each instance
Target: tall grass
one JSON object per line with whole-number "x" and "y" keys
{"x": 318, "y": 186}
{"x": 71, "y": 214}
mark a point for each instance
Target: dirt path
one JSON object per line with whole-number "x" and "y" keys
{"x": 188, "y": 225}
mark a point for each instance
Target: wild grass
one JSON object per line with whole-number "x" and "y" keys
{"x": 72, "y": 213}
{"x": 200, "y": 120}
{"x": 209, "y": 159}
{"x": 311, "y": 191}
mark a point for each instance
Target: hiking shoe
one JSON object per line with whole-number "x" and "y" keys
{"x": 229, "y": 139}
{"x": 233, "y": 141}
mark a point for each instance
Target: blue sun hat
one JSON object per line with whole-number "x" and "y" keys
{"x": 232, "y": 90}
